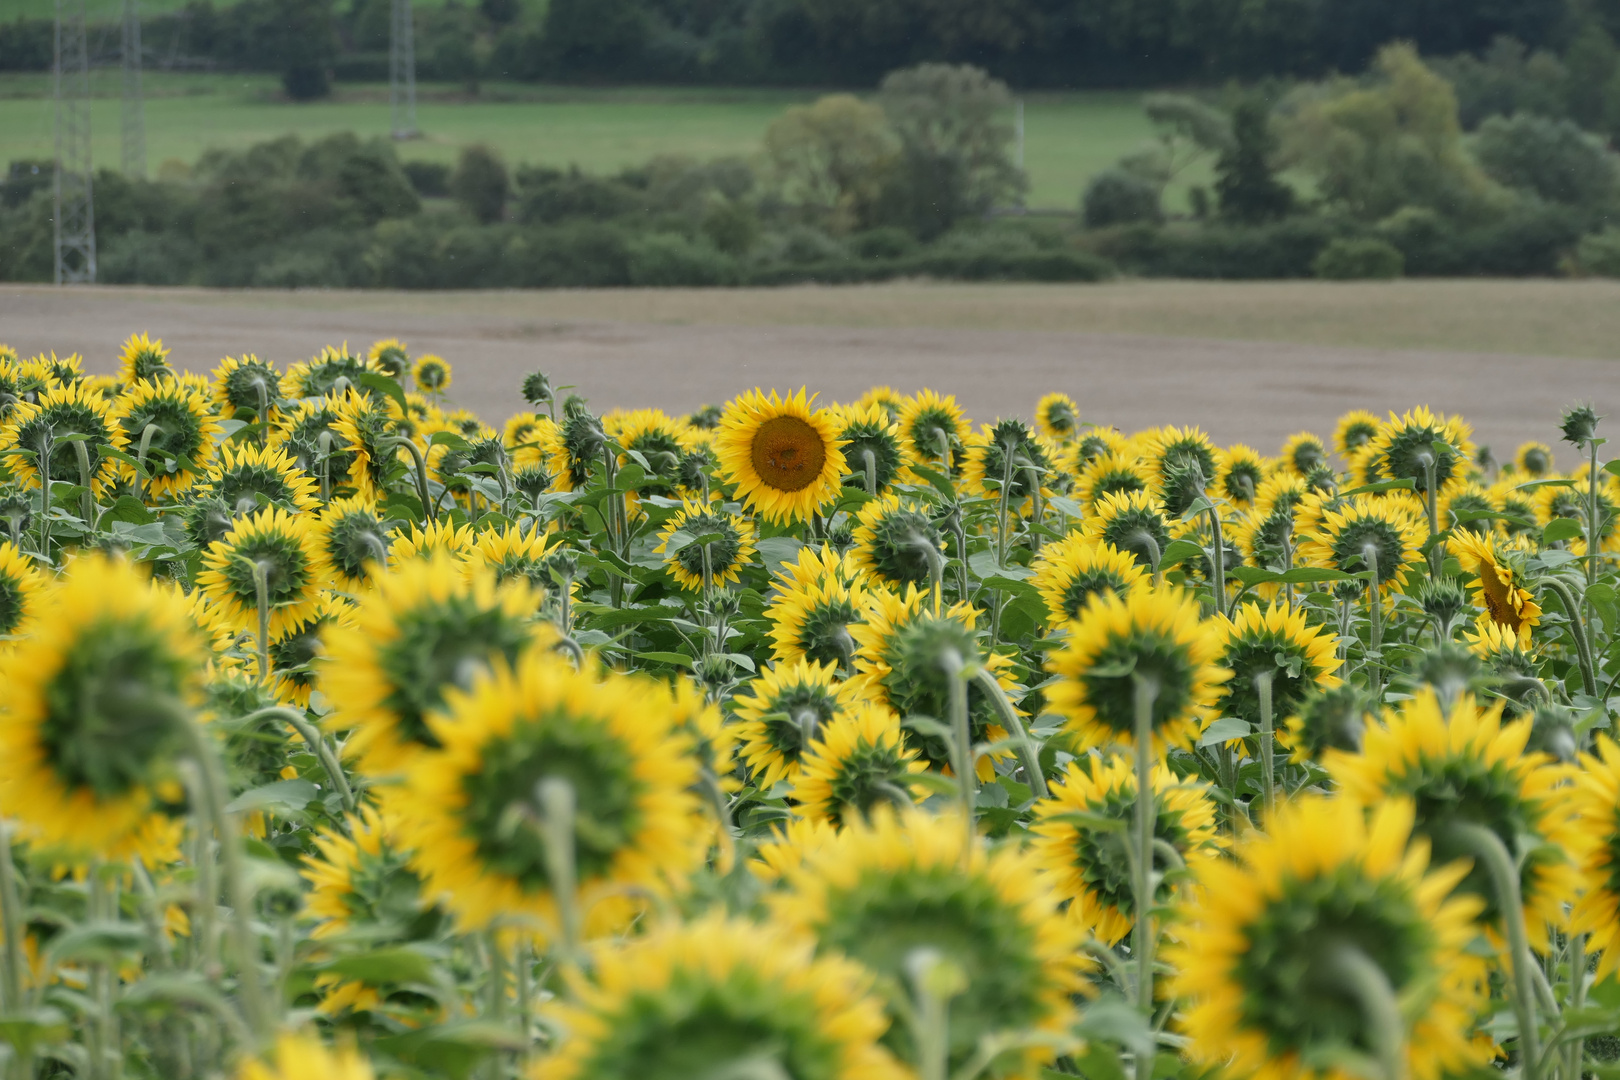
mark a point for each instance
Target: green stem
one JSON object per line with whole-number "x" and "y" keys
{"x": 11, "y": 920}
{"x": 556, "y": 798}
{"x": 1351, "y": 969}
{"x": 1028, "y": 753}
{"x": 1001, "y": 507}
{"x": 89, "y": 509}
{"x": 1144, "y": 691}
{"x": 45, "y": 441}
{"x": 961, "y": 743}
{"x": 1577, "y": 630}
{"x": 316, "y": 743}
{"x": 1437, "y": 555}
{"x": 1375, "y": 622}
{"x": 1151, "y": 546}
{"x": 431, "y": 509}
{"x": 1268, "y": 754}
{"x": 869, "y": 459}
{"x": 141, "y": 472}
{"x": 1490, "y": 851}
{"x": 1218, "y": 560}
{"x": 1593, "y": 525}
{"x": 1577, "y": 1000}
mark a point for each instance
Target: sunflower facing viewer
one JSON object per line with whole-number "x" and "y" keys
{"x": 783, "y": 455}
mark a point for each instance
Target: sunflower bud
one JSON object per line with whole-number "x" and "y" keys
{"x": 707, "y": 418}
{"x": 1579, "y": 425}
{"x": 1442, "y": 599}
{"x": 16, "y": 513}
{"x": 537, "y": 389}
{"x": 1552, "y": 732}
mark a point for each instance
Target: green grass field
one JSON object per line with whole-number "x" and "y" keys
{"x": 1068, "y": 137}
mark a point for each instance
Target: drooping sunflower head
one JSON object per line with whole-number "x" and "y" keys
{"x": 1416, "y": 444}
{"x": 1111, "y": 473}
{"x": 1088, "y": 865}
{"x": 1496, "y": 586}
{"x": 1133, "y": 522}
{"x": 1007, "y": 454}
{"x": 1073, "y": 570}
{"x": 909, "y": 651}
{"x": 246, "y": 476}
{"x": 933, "y": 431}
{"x": 95, "y": 702}
{"x": 1534, "y": 459}
{"x": 1150, "y": 637}
{"x": 22, "y": 593}
{"x": 896, "y": 542}
{"x": 246, "y": 385}
{"x": 783, "y": 711}
{"x": 1324, "y": 896}
{"x": 1239, "y": 473}
{"x": 870, "y": 440}
{"x": 366, "y": 423}
{"x": 1465, "y": 767}
{"x": 1331, "y": 718}
{"x": 1357, "y": 428}
{"x": 1057, "y": 418}
{"x": 782, "y": 455}
{"x": 879, "y": 892}
{"x": 353, "y": 537}
{"x": 425, "y": 628}
{"x": 1365, "y": 533}
{"x": 1275, "y": 643}
{"x": 704, "y": 546}
{"x": 40, "y": 429}
{"x": 431, "y": 374}
{"x": 696, "y": 999}
{"x": 515, "y": 751}
{"x": 173, "y": 422}
{"x": 143, "y": 360}
{"x": 859, "y": 762}
{"x": 274, "y": 548}
{"x": 1302, "y": 454}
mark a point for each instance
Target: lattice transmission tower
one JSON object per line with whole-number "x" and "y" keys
{"x": 75, "y": 214}
{"x": 134, "y": 160}
{"x": 402, "y": 72}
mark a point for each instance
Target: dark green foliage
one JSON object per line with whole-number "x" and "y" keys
{"x": 304, "y": 46}
{"x": 547, "y": 196}
{"x": 1552, "y": 159}
{"x": 1356, "y": 258}
{"x": 23, "y": 178}
{"x": 1118, "y": 197}
{"x": 431, "y": 179}
{"x": 480, "y": 184}
{"x": 592, "y": 38}
{"x": 1246, "y": 184}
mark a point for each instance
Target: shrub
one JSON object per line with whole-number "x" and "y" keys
{"x": 547, "y": 196}
{"x": 139, "y": 257}
{"x": 1118, "y": 197}
{"x": 670, "y": 259}
{"x": 1246, "y": 183}
{"x": 1285, "y": 249}
{"x": 731, "y": 226}
{"x": 1599, "y": 253}
{"x": 1550, "y": 158}
{"x": 480, "y": 184}
{"x": 885, "y": 242}
{"x": 431, "y": 179}
{"x": 580, "y": 254}
{"x": 800, "y": 244}
{"x": 1358, "y": 258}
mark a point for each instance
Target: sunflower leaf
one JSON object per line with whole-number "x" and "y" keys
{"x": 1560, "y": 529}
{"x": 1407, "y": 484}
{"x": 1224, "y": 730}
{"x": 281, "y": 796}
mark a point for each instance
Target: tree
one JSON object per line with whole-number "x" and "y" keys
{"x": 1554, "y": 159}
{"x": 831, "y": 159}
{"x": 593, "y": 37}
{"x": 304, "y": 45}
{"x": 955, "y": 144}
{"x": 481, "y": 184}
{"x": 1246, "y": 184}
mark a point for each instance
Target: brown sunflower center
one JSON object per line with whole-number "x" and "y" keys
{"x": 788, "y": 453}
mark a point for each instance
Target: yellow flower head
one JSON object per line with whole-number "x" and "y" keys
{"x": 143, "y": 360}
{"x": 1365, "y": 532}
{"x": 247, "y": 385}
{"x": 933, "y": 432}
{"x": 1597, "y": 799}
{"x": 431, "y": 374}
{"x": 1155, "y": 637}
{"x": 1239, "y": 472}
{"x": 353, "y": 537}
{"x": 1534, "y": 459}
{"x": 243, "y": 472}
{"x": 1274, "y": 641}
{"x": 1404, "y": 449}
{"x": 784, "y": 712}
{"x": 1131, "y": 521}
{"x": 1495, "y": 586}
{"x": 173, "y": 421}
{"x": 897, "y": 543}
{"x": 711, "y": 546}
{"x": 870, "y": 440}
{"x": 697, "y": 999}
{"x": 1073, "y": 570}
{"x": 477, "y": 810}
{"x": 1111, "y": 473}
{"x": 1057, "y": 418}
{"x": 1357, "y": 428}
{"x": 1008, "y": 453}
{"x": 782, "y": 455}
{"x": 22, "y": 592}
{"x": 1267, "y": 942}
{"x": 39, "y": 427}
{"x": 1302, "y": 454}
{"x": 858, "y": 762}
{"x": 390, "y": 356}
{"x": 303, "y": 1057}
{"x": 283, "y": 547}
{"x": 817, "y": 601}
{"x": 427, "y": 542}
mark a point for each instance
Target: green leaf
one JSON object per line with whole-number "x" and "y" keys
{"x": 1224, "y": 729}
{"x": 941, "y": 483}
{"x": 1064, "y": 504}
{"x": 678, "y": 659}
{"x": 777, "y": 550}
{"x": 1533, "y": 485}
{"x": 1111, "y": 1019}
{"x": 1383, "y": 485}
{"x": 24, "y": 1031}
{"x": 385, "y": 386}
{"x": 279, "y": 797}
{"x": 1178, "y": 551}
{"x": 450, "y": 1050}
{"x": 399, "y": 964}
{"x": 1560, "y": 529}
{"x": 106, "y": 942}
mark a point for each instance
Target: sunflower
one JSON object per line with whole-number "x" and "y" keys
{"x": 1511, "y": 660}
{"x": 782, "y": 455}
{"x": 1534, "y": 459}
{"x": 283, "y": 546}
{"x": 513, "y": 554}
{"x": 1264, "y": 948}
{"x": 303, "y": 1057}
{"x": 711, "y": 549}
{"x": 1468, "y": 498}
{"x": 436, "y": 538}
{"x": 1496, "y": 586}
{"x": 933, "y": 432}
{"x": 1088, "y": 866}
{"x": 1170, "y": 452}
{"x": 22, "y": 592}
{"x": 894, "y": 539}
{"x": 784, "y": 712}
{"x": 1470, "y": 768}
{"x": 859, "y": 761}
{"x": 1073, "y": 570}
{"x": 656, "y": 437}
{"x": 1365, "y": 533}
{"x": 183, "y": 431}
{"x": 1265, "y": 535}
{"x": 1274, "y": 640}
{"x": 878, "y": 891}
{"x": 1334, "y": 718}
{"x": 1132, "y": 522}
{"x": 295, "y": 652}
{"x": 247, "y": 385}
{"x": 576, "y": 450}
{"x": 1057, "y": 418}
{"x": 245, "y": 474}
{"x": 425, "y": 628}
{"x": 431, "y": 374}
{"x": 902, "y": 648}
{"x": 1155, "y": 634}
{"x": 522, "y": 430}
{"x": 331, "y": 372}
{"x": 1095, "y": 443}
{"x": 477, "y": 808}
{"x": 870, "y": 440}
{"x": 61, "y": 411}
{"x": 308, "y": 436}
{"x": 1356, "y": 430}
{"x": 1006, "y": 451}
{"x": 1405, "y": 442}
{"x": 1239, "y": 472}
{"x": 390, "y": 357}
{"x": 94, "y": 702}
{"x": 365, "y": 423}
{"x": 1572, "y": 503}
{"x": 1302, "y": 454}
{"x": 1110, "y": 473}
{"x": 818, "y": 566}
{"x": 710, "y": 998}
{"x": 1597, "y": 799}
{"x": 353, "y": 538}
{"x": 143, "y": 360}
{"x": 811, "y": 615}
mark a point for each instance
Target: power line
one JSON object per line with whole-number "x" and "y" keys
{"x": 134, "y": 160}
{"x": 402, "y": 72}
{"x": 75, "y": 222}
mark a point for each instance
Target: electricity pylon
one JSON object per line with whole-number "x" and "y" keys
{"x": 134, "y": 160}
{"x": 75, "y": 213}
{"x": 402, "y": 72}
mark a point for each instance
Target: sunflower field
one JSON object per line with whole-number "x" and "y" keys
{"x": 343, "y": 735}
